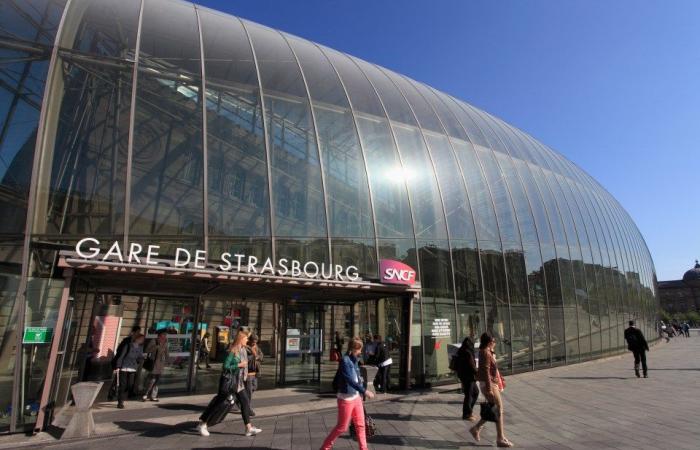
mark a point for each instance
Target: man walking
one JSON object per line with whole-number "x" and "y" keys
{"x": 638, "y": 346}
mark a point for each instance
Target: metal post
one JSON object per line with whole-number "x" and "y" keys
{"x": 53, "y": 355}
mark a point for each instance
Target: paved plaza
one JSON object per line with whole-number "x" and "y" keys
{"x": 597, "y": 404}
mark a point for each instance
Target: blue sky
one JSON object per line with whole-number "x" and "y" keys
{"x": 614, "y": 86}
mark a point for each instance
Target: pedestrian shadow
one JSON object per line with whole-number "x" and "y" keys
{"x": 229, "y": 448}
{"x": 590, "y": 378}
{"x": 407, "y": 418}
{"x": 680, "y": 368}
{"x": 181, "y": 407}
{"x": 414, "y": 441}
{"x": 157, "y": 430}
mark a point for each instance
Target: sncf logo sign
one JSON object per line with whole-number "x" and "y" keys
{"x": 395, "y": 272}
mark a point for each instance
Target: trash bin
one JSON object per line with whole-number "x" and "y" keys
{"x": 368, "y": 374}
{"x": 82, "y": 424}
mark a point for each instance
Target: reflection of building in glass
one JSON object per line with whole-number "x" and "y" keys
{"x": 681, "y": 296}
{"x": 158, "y": 121}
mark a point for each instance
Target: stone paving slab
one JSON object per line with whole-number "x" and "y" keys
{"x": 594, "y": 405}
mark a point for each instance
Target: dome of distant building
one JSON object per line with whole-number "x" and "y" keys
{"x": 692, "y": 276}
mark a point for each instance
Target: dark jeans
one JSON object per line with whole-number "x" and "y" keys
{"x": 251, "y": 385}
{"x": 471, "y": 393}
{"x": 203, "y": 356}
{"x": 244, "y": 402}
{"x": 126, "y": 384}
{"x": 640, "y": 355}
{"x": 381, "y": 382}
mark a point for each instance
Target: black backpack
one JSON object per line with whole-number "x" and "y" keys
{"x": 454, "y": 363}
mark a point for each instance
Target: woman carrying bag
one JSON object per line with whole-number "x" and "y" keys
{"x": 231, "y": 384}
{"x": 350, "y": 390}
{"x": 491, "y": 384}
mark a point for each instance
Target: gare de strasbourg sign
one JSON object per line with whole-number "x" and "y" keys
{"x": 89, "y": 248}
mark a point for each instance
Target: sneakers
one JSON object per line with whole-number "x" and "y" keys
{"x": 253, "y": 431}
{"x": 202, "y": 428}
{"x": 120, "y": 405}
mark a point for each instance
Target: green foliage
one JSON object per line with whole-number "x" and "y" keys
{"x": 664, "y": 315}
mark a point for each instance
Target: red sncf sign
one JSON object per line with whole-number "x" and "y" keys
{"x": 396, "y": 272}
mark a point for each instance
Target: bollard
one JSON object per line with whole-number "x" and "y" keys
{"x": 369, "y": 373}
{"x": 82, "y": 424}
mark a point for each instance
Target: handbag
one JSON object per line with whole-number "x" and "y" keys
{"x": 490, "y": 412}
{"x": 149, "y": 363}
{"x": 370, "y": 427}
{"x": 228, "y": 382}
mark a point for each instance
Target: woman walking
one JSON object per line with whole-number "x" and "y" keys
{"x": 466, "y": 371}
{"x": 127, "y": 364}
{"x": 490, "y": 384}
{"x": 231, "y": 383}
{"x": 350, "y": 393}
{"x": 158, "y": 355}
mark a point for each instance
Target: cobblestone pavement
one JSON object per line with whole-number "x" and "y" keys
{"x": 593, "y": 405}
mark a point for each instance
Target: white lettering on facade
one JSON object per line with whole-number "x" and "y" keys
{"x": 152, "y": 253}
{"x": 200, "y": 256}
{"x": 89, "y": 248}
{"x": 134, "y": 250}
{"x": 178, "y": 254}
{"x": 114, "y": 250}
{"x": 225, "y": 258}
{"x": 284, "y": 270}
{"x": 94, "y": 251}
{"x": 396, "y": 274}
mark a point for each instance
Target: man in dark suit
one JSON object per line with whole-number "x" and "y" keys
{"x": 638, "y": 346}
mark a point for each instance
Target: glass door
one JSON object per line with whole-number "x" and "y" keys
{"x": 303, "y": 343}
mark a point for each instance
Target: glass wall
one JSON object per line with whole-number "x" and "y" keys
{"x": 220, "y": 134}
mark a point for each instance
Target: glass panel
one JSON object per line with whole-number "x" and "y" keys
{"x": 468, "y": 289}
{"x": 479, "y": 195}
{"x": 454, "y": 194}
{"x": 346, "y": 177}
{"x": 519, "y": 308}
{"x": 361, "y": 93}
{"x": 447, "y": 118}
{"x": 301, "y": 249}
{"x": 536, "y": 278}
{"x": 528, "y": 232}
{"x": 166, "y": 184}
{"x": 495, "y": 290}
{"x": 386, "y": 176}
{"x": 555, "y": 303}
{"x": 361, "y": 253}
{"x": 86, "y": 154}
{"x": 296, "y": 171}
{"x": 395, "y": 104}
{"x": 428, "y": 215}
{"x": 437, "y": 297}
{"x": 476, "y": 137}
{"x": 32, "y": 24}
{"x": 238, "y": 194}
{"x": 9, "y": 333}
{"x": 507, "y": 223}
{"x": 544, "y": 231}
{"x": 424, "y": 113}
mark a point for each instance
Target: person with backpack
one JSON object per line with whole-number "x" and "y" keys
{"x": 157, "y": 351}
{"x": 127, "y": 365}
{"x": 349, "y": 389}
{"x": 381, "y": 357}
{"x": 638, "y": 346}
{"x": 121, "y": 348}
{"x": 465, "y": 366}
{"x": 231, "y": 384}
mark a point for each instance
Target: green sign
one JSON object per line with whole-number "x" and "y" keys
{"x": 37, "y": 335}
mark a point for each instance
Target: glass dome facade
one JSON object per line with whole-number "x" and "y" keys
{"x": 165, "y": 121}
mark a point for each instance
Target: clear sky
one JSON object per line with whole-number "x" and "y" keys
{"x": 612, "y": 85}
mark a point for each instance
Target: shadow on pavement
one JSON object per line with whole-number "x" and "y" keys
{"x": 157, "y": 430}
{"x": 591, "y": 378}
{"x": 402, "y": 417}
{"x": 229, "y": 448}
{"x": 671, "y": 368}
{"x": 415, "y": 441}
{"x": 181, "y": 407}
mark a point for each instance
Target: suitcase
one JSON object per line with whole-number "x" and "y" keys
{"x": 220, "y": 408}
